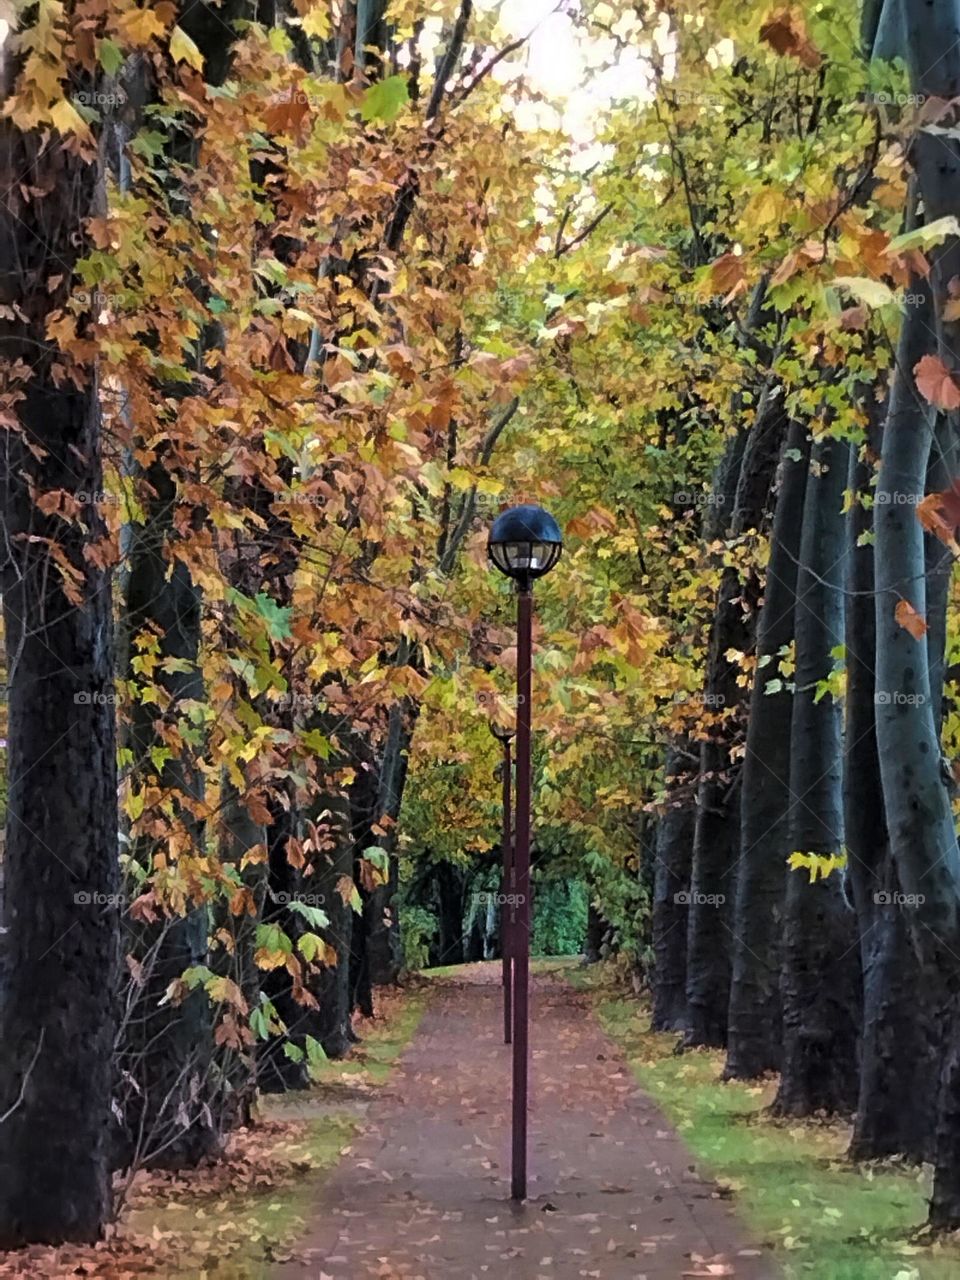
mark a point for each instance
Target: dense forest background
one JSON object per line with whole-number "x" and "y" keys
{"x": 295, "y": 296}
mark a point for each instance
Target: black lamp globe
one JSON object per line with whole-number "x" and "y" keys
{"x": 502, "y": 732}
{"x": 525, "y": 543}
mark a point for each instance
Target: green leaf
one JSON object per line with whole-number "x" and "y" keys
{"x": 292, "y": 1052}
{"x": 313, "y": 915}
{"x": 315, "y": 1053}
{"x": 196, "y": 976}
{"x": 276, "y": 618}
{"x": 923, "y": 237}
{"x": 872, "y": 293}
{"x": 272, "y": 938}
{"x": 317, "y": 742}
{"x": 260, "y": 1024}
{"x": 379, "y": 857}
{"x": 385, "y": 99}
{"x": 310, "y": 946}
{"x": 111, "y": 57}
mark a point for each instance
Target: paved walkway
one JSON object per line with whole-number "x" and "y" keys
{"x": 425, "y": 1190}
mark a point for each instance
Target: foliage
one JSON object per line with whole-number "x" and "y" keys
{"x": 559, "y": 917}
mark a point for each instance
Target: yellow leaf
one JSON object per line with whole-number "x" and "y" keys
{"x": 818, "y": 865}
{"x": 182, "y": 49}
{"x": 316, "y": 22}
{"x": 67, "y": 119}
{"x": 139, "y": 26}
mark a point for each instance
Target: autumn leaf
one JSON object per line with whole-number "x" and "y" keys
{"x": 936, "y": 383}
{"x": 183, "y": 49}
{"x": 786, "y": 32}
{"x": 908, "y": 618}
{"x": 939, "y": 513}
{"x": 385, "y": 99}
{"x": 727, "y": 274}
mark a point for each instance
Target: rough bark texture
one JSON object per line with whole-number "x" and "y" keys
{"x": 917, "y": 801}
{"x": 671, "y": 891}
{"x": 716, "y": 835}
{"x": 898, "y": 1052}
{"x": 168, "y": 1115}
{"x": 59, "y": 937}
{"x": 170, "y": 1102}
{"x": 754, "y": 1033}
{"x": 820, "y": 981}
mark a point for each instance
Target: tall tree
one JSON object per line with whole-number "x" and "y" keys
{"x": 754, "y": 1034}
{"x": 820, "y": 980}
{"x": 59, "y": 936}
{"x": 716, "y": 842}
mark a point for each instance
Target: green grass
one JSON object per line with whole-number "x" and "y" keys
{"x": 793, "y": 1186}
{"x": 241, "y": 1233}
{"x": 383, "y": 1042}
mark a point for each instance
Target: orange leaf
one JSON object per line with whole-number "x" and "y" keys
{"x": 908, "y": 618}
{"x": 786, "y": 32}
{"x": 939, "y": 513}
{"x": 936, "y": 383}
{"x": 726, "y": 274}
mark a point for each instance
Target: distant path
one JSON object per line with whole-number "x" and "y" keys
{"x": 425, "y": 1189}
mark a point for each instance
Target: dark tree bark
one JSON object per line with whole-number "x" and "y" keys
{"x": 449, "y": 888}
{"x": 716, "y": 834}
{"x": 594, "y": 938}
{"x": 923, "y": 839}
{"x": 380, "y": 908}
{"x": 671, "y": 891}
{"x": 820, "y": 981}
{"x": 754, "y": 1033}
{"x": 60, "y": 937}
{"x": 171, "y": 1115}
{"x": 899, "y": 1059}
{"x": 333, "y": 869}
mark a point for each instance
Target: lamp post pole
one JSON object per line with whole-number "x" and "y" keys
{"x": 521, "y": 931}
{"x": 507, "y": 922}
{"x": 524, "y": 543}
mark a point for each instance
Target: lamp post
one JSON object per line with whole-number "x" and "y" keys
{"x": 524, "y": 543}
{"x": 508, "y": 889}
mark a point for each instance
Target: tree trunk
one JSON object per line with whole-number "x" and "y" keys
{"x": 821, "y": 973}
{"x": 449, "y": 886}
{"x": 716, "y": 833}
{"x": 60, "y": 934}
{"x": 922, "y": 834}
{"x": 899, "y": 1061}
{"x": 671, "y": 891}
{"x": 333, "y": 869}
{"x": 754, "y": 1033}
{"x": 169, "y": 1112}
